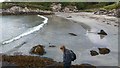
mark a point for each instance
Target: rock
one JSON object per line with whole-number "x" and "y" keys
{"x": 69, "y": 17}
{"x": 113, "y": 12}
{"x": 56, "y": 7}
{"x": 101, "y": 12}
{"x": 104, "y": 50}
{"x": 23, "y": 43}
{"x": 115, "y": 25}
{"x": 70, "y": 8}
{"x": 103, "y": 21}
{"x": 93, "y": 53}
{"x": 52, "y": 46}
{"x": 108, "y": 23}
{"x": 72, "y": 34}
{"x": 39, "y": 49}
{"x": 102, "y": 32}
{"x": 118, "y": 13}
{"x": 87, "y": 66}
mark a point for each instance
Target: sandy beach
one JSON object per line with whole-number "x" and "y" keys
{"x": 93, "y": 24}
{"x": 56, "y": 32}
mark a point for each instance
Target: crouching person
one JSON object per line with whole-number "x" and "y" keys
{"x": 68, "y": 57}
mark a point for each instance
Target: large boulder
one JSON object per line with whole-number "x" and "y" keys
{"x": 39, "y": 49}
{"x": 102, "y": 32}
{"x": 93, "y": 53}
{"x": 104, "y": 50}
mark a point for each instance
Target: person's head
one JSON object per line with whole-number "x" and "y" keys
{"x": 62, "y": 48}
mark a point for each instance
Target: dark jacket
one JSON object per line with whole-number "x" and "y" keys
{"x": 67, "y": 56}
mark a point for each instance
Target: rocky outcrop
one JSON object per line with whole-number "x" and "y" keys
{"x": 18, "y": 10}
{"x": 56, "y": 7}
{"x": 104, "y": 50}
{"x": 102, "y": 32}
{"x": 93, "y": 53}
{"x": 39, "y": 49}
{"x": 72, "y": 34}
{"x": 106, "y": 12}
{"x": 70, "y": 9}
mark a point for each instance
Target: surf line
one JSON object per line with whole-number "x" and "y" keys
{"x": 34, "y": 29}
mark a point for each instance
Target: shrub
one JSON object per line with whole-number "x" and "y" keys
{"x": 110, "y": 7}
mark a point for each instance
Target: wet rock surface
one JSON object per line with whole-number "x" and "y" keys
{"x": 102, "y": 32}
{"x": 94, "y": 53}
{"x": 39, "y": 49}
{"x": 72, "y": 34}
{"x": 104, "y": 51}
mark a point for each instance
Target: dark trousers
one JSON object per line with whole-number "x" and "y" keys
{"x": 67, "y": 65}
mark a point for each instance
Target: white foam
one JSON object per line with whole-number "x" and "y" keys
{"x": 29, "y": 31}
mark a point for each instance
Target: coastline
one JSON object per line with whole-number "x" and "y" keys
{"x": 97, "y": 22}
{"x": 94, "y": 23}
{"x": 76, "y": 18}
{"x": 26, "y": 13}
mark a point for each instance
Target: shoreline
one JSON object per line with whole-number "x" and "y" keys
{"x": 82, "y": 20}
{"x": 26, "y": 13}
{"x": 90, "y": 15}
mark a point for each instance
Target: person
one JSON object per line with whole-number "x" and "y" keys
{"x": 66, "y": 57}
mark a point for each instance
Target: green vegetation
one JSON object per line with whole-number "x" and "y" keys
{"x": 112, "y": 6}
{"x": 87, "y": 6}
{"x": 32, "y": 5}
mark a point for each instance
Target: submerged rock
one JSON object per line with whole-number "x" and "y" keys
{"x": 93, "y": 53}
{"x": 102, "y": 32}
{"x": 104, "y": 50}
{"x": 72, "y": 34}
{"x": 39, "y": 49}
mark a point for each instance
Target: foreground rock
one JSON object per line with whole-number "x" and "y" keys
{"x": 102, "y": 32}
{"x": 23, "y": 61}
{"x": 104, "y": 50}
{"x": 72, "y": 34}
{"x": 39, "y": 49}
{"x": 93, "y": 53}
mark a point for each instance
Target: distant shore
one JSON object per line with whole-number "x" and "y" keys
{"x": 26, "y": 13}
